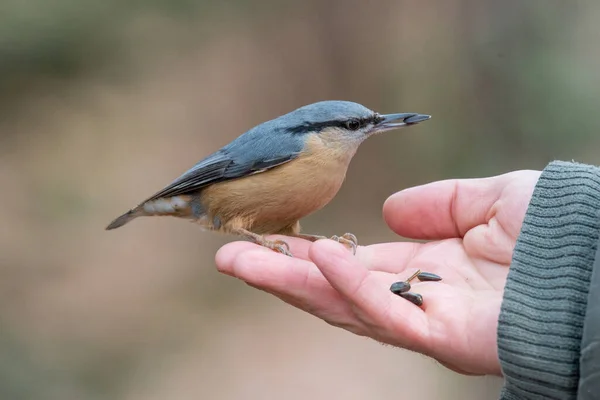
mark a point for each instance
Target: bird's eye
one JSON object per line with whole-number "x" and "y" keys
{"x": 353, "y": 124}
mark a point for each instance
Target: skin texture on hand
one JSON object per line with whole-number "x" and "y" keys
{"x": 471, "y": 227}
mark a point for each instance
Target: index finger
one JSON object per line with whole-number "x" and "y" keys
{"x": 367, "y": 291}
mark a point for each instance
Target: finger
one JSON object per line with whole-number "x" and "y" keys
{"x": 394, "y": 258}
{"x": 225, "y": 256}
{"x": 444, "y": 209}
{"x": 369, "y": 295}
{"x": 264, "y": 267}
{"x": 297, "y": 282}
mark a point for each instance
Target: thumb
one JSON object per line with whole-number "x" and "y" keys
{"x": 444, "y": 209}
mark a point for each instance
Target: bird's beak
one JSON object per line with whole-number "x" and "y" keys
{"x": 395, "y": 121}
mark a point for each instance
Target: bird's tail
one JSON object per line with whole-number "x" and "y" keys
{"x": 123, "y": 219}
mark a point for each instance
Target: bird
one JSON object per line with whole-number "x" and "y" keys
{"x": 273, "y": 175}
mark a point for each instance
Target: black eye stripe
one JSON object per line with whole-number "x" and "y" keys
{"x": 319, "y": 126}
{"x": 354, "y": 124}
{"x": 375, "y": 118}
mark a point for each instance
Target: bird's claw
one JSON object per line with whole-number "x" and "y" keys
{"x": 281, "y": 246}
{"x": 348, "y": 240}
{"x": 282, "y": 243}
{"x": 282, "y": 249}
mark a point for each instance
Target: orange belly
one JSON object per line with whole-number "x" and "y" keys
{"x": 273, "y": 201}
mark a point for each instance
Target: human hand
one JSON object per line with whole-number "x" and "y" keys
{"x": 471, "y": 227}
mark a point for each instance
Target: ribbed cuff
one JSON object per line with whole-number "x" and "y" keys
{"x": 544, "y": 305}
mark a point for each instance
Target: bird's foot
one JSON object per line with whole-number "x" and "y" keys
{"x": 347, "y": 239}
{"x": 279, "y": 246}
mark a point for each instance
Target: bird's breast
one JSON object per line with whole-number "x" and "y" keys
{"x": 271, "y": 201}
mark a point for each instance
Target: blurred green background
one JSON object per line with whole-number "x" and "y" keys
{"x": 103, "y": 103}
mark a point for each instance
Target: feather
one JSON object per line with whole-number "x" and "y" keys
{"x": 218, "y": 167}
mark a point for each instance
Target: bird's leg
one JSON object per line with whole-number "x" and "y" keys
{"x": 279, "y": 246}
{"x": 347, "y": 239}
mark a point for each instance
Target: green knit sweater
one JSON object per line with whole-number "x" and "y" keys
{"x": 545, "y": 303}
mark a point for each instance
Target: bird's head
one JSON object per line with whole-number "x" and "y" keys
{"x": 344, "y": 121}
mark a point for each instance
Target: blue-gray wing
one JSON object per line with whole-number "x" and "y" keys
{"x": 249, "y": 154}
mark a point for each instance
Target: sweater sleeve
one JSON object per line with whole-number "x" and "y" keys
{"x": 541, "y": 320}
{"x": 589, "y": 359}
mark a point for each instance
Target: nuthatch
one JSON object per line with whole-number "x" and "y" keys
{"x": 273, "y": 175}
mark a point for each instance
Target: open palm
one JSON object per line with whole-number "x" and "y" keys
{"x": 471, "y": 227}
